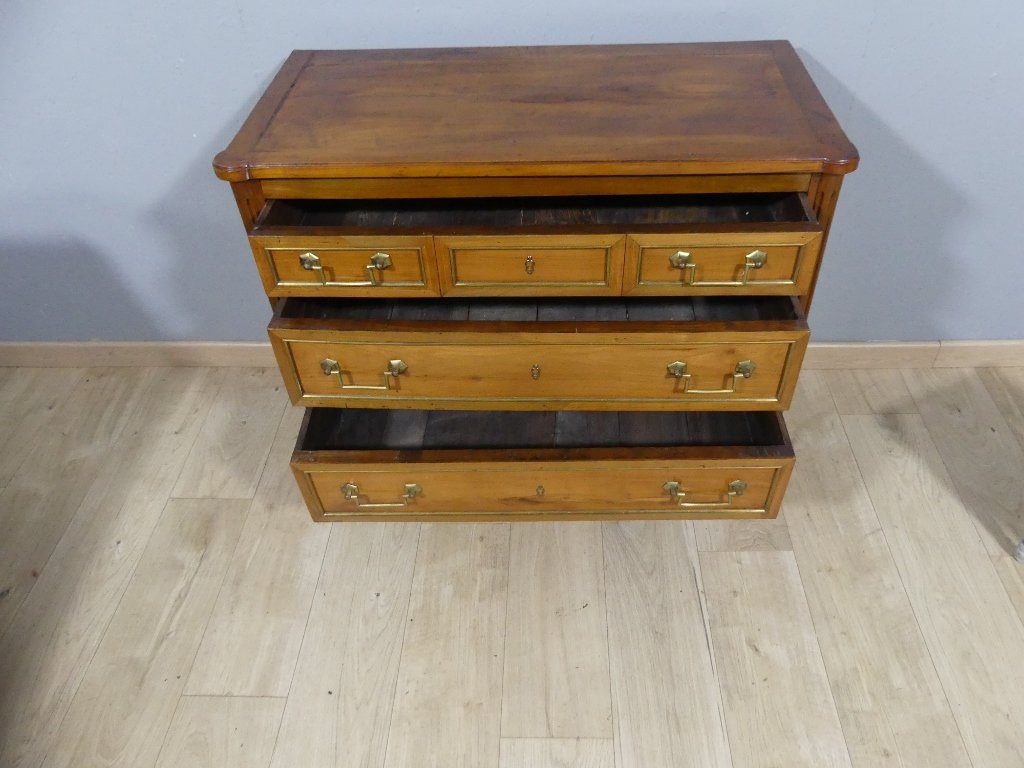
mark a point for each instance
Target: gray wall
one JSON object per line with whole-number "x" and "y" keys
{"x": 112, "y": 225}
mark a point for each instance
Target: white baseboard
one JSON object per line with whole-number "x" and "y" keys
{"x": 245, "y": 354}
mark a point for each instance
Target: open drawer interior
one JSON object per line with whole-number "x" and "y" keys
{"x": 522, "y": 215}
{"x": 360, "y": 429}
{"x": 597, "y": 309}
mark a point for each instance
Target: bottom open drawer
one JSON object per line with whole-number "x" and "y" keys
{"x": 371, "y": 464}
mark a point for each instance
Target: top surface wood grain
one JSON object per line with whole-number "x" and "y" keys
{"x": 551, "y": 111}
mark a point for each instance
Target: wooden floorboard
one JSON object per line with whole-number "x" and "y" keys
{"x": 556, "y": 652}
{"x": 339, "y": 704}
{"x": 967, "y": 619}
{"x": 146, "y": 622}
{"x": 124, "y": 706}
{"x": 666, "y": 701}
{"x": 221, "y": 732}
{"x": 447, "y": 709}
{"x": 252, "y": 641}
{"x": 779, "y": 708}
{"x": 46, "y": 649}
{"x": 979, "y": 451}
{"x": 891, "y": 704}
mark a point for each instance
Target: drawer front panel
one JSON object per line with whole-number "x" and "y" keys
{"x": 531, "y": 265}
{"x": 546, "y": 371}
{"x": 666, "y": 489}
{"x": 760, "y": 263}
{"x": 352, "y": 266}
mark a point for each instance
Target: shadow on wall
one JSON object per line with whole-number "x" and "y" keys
{"x": 213, "y": 278}
{"x": 67, "y": 278}
{"x": 889, "y": 263}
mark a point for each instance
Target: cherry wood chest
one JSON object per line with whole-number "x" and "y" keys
{"x": 541, "y": 282}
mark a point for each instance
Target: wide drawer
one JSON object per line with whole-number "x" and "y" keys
{"x": 455, "y": 465}
{"x": 682, "y": 354}
{"x": 530, "y": 265}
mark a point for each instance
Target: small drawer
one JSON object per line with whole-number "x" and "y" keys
{"x": 531, "y": 265}
{"x": 749, "y": 263}
{"x": 300, "y": 252}
{"x": 458, "y": 465}
{"x": 682, "y": 354}
{"x": 346, "y": 266}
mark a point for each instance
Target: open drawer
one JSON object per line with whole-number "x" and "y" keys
{"x": 688, "y": 353}
{"x": 511, "y": 465}
{"x": 587, "y": 245}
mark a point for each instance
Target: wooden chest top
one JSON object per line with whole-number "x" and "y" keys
{"x": 715, "y": 108}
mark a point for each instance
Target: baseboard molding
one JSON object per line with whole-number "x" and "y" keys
{"x": 230, "y": 354}
{"x": 179, "y": 354}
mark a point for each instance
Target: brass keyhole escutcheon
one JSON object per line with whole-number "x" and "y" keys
{"x": 529, "y": 264}
{"x": 535, "y": 372}
{"x": 540, "y": 490}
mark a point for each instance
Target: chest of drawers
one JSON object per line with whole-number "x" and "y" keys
{"x": 540, "y": 283}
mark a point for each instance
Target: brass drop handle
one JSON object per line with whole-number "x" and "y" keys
{"x": 529, "y": 264}
{"x": 311, "y": 262}
{"x": 535, "y": 372}
{"x": 379, "y": 261}
{"x": 677, "y": 494}
{"x": 351, "y": 493}
{"x": 678, "y": 369}
{"x": 395, "y": 368}
{"x": 684, "y": 260}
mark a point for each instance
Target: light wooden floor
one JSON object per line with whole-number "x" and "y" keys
{"x": 164, "y": 600}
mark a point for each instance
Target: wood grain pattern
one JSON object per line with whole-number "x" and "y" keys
{"x": 556, "y": 652}
{"x": 964, "y": 613}
{"x": 557, "y": 753}
{"x": 970, "y": 433}
{"x": 28, "y": 399}
{"x": 126, "y": 701}
{"x": 221, "y": 732}
{"x": 769, "y": 665}
{"x": 559, "y": 265}
{"x": 253, "y": 637}
{"x": 743, "y": 535}
{"x": 447, "y": 703}
{"x": 1012, "y": 575}
{"x": 736, "y": 107}
{"x": 228, "y": 456}
{"x": 866, "y": 392}
{"x": 491, "y": 369}
{"x": 454, "y": 488}
{"x": 513, "y": 186}
{"x": 344, "y": 259}
{"x": 43, "y": 496}
{"x": 1006, "y": 388}
{"x": 891, "y": 704}
{"x": 719, "y": 257}
{"x": 46, "y": 649}
{"x": 343, "y": 689}
{"x": 666, "y": 704}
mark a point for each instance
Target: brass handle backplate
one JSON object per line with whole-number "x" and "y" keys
{"x": 378, "y": 262}
{"x": 677, "y": 494}
{"x": 678, "y": 369}
{"x": 351, "y": 493}
{"x": 683, "y": 260}
{"x": 311, "y": 262}
{"x": 395, "y": 368}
